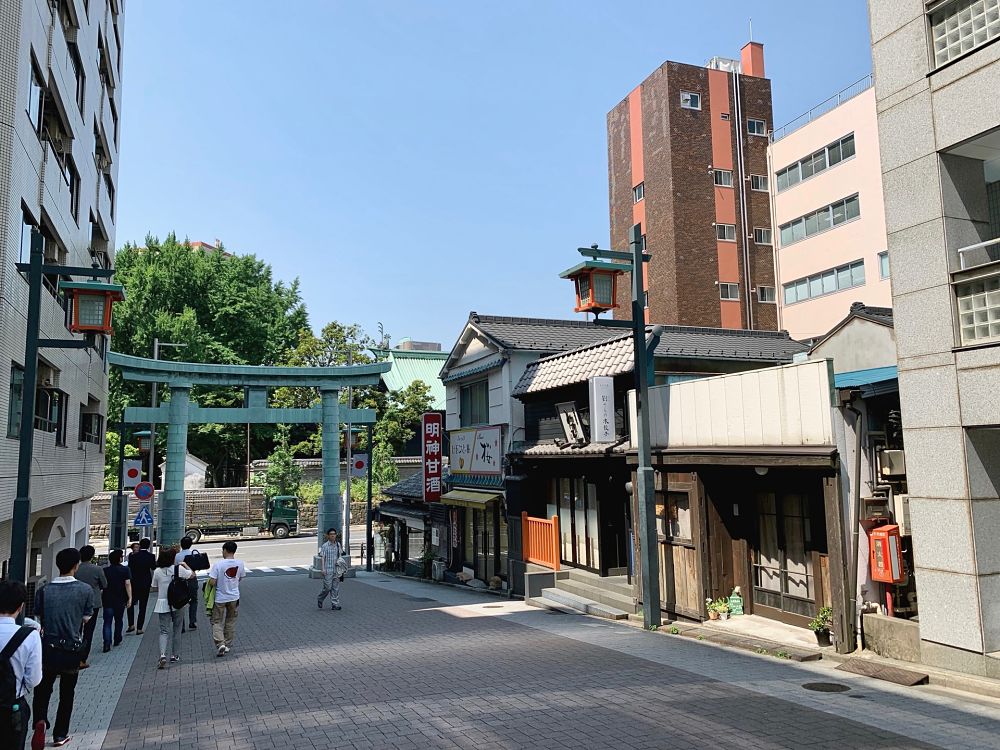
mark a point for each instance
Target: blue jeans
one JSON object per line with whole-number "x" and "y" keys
{"x": 117, "y": 614}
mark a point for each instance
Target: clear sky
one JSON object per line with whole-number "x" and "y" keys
{"x": 412, "y": 160}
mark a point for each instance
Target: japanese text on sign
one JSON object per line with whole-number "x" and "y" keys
{"x": 430, "y": 431}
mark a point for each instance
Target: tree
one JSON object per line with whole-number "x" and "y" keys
{"x": 223, "y": 308}
{"x": 283, "y": 475}
{"x": 111, "y": 468}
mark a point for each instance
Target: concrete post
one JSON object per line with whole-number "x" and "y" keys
{"x": 331, "y": 508}
{"x": 171, "y": 515}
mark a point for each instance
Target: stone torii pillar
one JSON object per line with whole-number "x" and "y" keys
{"x": 331, "y": 507}
{"x": 172, "y": 503}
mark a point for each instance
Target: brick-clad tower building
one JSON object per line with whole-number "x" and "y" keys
{"x": 687, "y": 158}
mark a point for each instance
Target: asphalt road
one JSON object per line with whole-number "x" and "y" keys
{"x": 297, "y": 550}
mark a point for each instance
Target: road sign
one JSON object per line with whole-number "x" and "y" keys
{"x": 144, "y": 490}
{"x": 359, "y": 464}
{"x": 132, "y": 473}
{"x": 143, "y": 517}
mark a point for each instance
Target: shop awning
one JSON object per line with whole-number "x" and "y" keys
{"x": 413, "y": 515}
{"x": 470, "y": 498}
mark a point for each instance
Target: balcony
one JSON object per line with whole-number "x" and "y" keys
{"x": 57, "y": 199}
{"x": 108, "y": 125}
{"x": 977, "y": 296}
{"x": 64, "y": 71}
{"x": 105, "y": 207}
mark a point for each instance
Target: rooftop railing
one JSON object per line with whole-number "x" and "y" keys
{"x": 979, "y": 254}
{"x": 821, "y": 109}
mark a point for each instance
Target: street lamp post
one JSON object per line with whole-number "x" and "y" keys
{"x": 85, "y": 318}
{"x": 595, "y": 282}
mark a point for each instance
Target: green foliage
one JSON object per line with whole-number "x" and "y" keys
{"x": 223, "y": 308}
{"x": 822, "y": 621}
{"x": 310, "y": 493}
{"x": 111, "y": 467}
{"x": 384, "y": 470}
{"x": 674, "y": 630}
{"x": 283, "y": 475}
{"x": 783, "y": 655}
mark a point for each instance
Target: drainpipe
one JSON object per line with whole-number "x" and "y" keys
{"x": 741, "y": 176}
{"x": 856, "y": 526}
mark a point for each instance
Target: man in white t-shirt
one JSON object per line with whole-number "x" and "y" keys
{"x": 226, "y": 575}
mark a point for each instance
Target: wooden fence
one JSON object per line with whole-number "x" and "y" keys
{"x": 540, "y": 540}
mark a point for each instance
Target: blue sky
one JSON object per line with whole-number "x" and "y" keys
{"x": 412, "y": 160}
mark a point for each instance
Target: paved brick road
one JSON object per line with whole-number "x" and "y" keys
{"x": 409, "y": 665}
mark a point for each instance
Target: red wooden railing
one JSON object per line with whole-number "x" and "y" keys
{"x": 540, "y": 540}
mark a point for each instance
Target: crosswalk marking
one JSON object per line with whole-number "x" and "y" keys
{"x": 277, "y": 570}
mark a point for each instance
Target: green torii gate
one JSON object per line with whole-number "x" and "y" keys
{"x": 178, "y": 413}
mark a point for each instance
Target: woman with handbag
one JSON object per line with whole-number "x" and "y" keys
{"x": 62, "y": 607}
{"x": 172, "y": 596}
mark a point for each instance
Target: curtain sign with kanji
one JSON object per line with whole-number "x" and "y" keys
{"x": 431, "y": 440}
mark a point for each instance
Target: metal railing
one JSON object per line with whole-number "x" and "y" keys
{"x": 540, "y": 540}
{"x": 822, "y": 108}
{"x": 979, "y": 254}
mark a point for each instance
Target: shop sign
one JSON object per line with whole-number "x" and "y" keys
{"x": 430, "y": 431}
{"x": 475, "y": 451}
{"x": 602, "y": 410}
{"x": 570, "y": 421}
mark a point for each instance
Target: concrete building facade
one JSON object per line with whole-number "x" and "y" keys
{"x": 59, "y": 116}
{"x": 937, "y": 73}
{"x": 687, "y": 159}
{"x": 826, "y": 190}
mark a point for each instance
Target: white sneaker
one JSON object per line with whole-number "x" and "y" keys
{"x": 221, "y": 651}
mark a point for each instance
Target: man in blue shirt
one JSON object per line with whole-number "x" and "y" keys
{"x": 25, "y": 663}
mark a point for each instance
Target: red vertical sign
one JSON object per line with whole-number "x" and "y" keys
{"x": 431, "y": 440}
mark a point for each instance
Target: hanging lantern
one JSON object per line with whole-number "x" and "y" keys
{"x": 596, "y": 285}
{"x": 92, "y": 302}
{"x": 143, "y": 440}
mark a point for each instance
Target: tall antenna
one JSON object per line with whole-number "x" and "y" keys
{"x": 751, "y": 29}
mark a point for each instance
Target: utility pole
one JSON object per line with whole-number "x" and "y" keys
{"x": 369, "y": 538}
{"x": 350, "y": 462}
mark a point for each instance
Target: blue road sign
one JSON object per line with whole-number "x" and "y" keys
{"x": 143, "y": 517}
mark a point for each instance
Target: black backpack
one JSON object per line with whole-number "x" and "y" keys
{"x": 178, "y": 593}
{"x": 8, "y": 681}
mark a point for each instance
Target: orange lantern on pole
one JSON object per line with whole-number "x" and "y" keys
{"x": 596, "y": 285}
{"x": 91, "y": 304}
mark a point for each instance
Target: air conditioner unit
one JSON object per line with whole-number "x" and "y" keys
{"x": 103, "y": 163}
{"x": 892, "y": 463}
{"x": 901, "y": 513}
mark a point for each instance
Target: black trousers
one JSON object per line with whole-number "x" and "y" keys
{"x": 88, "y": 635}
{"x": 196, "y": 602}
{"x": 140, "y": 597}
{"x": 67, "y": 694}
{"x": 13, "y": 734}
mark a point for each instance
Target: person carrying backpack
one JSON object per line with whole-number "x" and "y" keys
{"x": 172, "y": 596}
{"x": 20, "y": 666}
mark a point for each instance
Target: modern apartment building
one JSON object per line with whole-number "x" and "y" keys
{"x": 687, "y": 159}
{"x": 60, "y": 102}
{"x": 937, "y": 74}
{"x": 826, "y": 190}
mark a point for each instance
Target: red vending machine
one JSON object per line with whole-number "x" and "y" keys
{"x": 886, "y": 554}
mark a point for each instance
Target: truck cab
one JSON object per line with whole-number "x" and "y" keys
{"x": 281, "y": 515}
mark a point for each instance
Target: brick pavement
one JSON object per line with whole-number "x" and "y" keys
{"x": 408, "y": 665}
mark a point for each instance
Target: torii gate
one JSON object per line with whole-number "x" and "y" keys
{"x": 180, "y": 377}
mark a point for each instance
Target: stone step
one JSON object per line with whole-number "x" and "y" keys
{"x": 586, "y": 606}
{"x": 614, "y": 584}
{"x": 551, "y": 605}
{"x": 602, "y": 596}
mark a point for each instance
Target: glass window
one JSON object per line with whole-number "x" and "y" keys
{"x": 823, "y": 220}
{"x": 676, "y": 520}
{"x": 756, "y": 127}
{"x": 852, "y": 207}
{"x": 979, "y": 310}
{"x": 35, "y": 97}
{"x": 785, "y": 231}
{"x": 15, "y": 400}
{"x": 724, "y": 177}
{"x": 858, "y": 273}
{"x": 883, "y": 265}
{"x": 847, "y": 146}
{"x": 815, "y": 286}
{"x": 962, "y": 26}
{"x": 726, "y": 232}
{"x": 790, "y": 296}
{"x": 758, "y": 182}
{"x": 729, "y": 291}
{"x": 829, "y": 282}
{"x": 798, "y": 230}
{"x": 844, "y": 277}
{"x": 766, "y": 294}
{"x": 475, "y": 403}
{"x": 762, "y": 235}
{"x": 802, "y": 289}
{"x": 839, "y": 213}
{"x": 639, "y": 192}
{"x": 690, "y": 100}
{"x": 833, "y": 155}
{"x": 812, "y": 224}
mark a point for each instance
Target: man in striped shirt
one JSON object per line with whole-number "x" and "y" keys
{"x": 329, "y": 555}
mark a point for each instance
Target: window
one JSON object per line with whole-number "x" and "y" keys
{"x": 762, "y": 235}
{"x": 50, "y": 412}
{"x": 475, "y": 403}
{"x": 81, "y": 79}
{"x": 962, "y": 26}
{"x": 111, "y": 192}
{"x": 639, "y": 192}
{"x": 820, "y": 161}
{"x": 724, "y": 115}
{"x": 729, "y": 291}
{"x": 726, "y": 232}
{"x": 73, "y": 178}
{"x": 758, "y": 182}
{"x": 826, "y": 282}
{"x": 690, "y": 100}
{"x": 15, "y": 400}
{"x": 91, "y": 426}
{"x": 756, "y": 127}
{"x": 724, "y": 177}
{"x": 820, "y": 220}
{"x": 766, "y": 294}
{"x": 673, "y": 515}
{"x": 979, "y": 310}
{"x": 883, "y": 265}
{"x": 36, "y": 96}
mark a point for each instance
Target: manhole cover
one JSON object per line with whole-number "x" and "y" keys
{"x": 419, "y": 599}
{"x": 826, "y": 687}
{"x": 492, "y": 606}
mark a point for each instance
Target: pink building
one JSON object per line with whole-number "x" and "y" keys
{"x": 829, "y": 218}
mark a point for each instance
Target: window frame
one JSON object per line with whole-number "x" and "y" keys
{"x": 757, "y": 238}
{"x": 696, "y": 94}
{"x": 762, "y": 180}
{"x": 15, "y": 404}
{"x": 731, "y": 288}
{"x": 467, "y": 412}
{"x": 884, "y": 272}
{"x": 664, "y": 501}
{"x": 720, "y": 227}
{"x": 797, "y": 167}
{"x": 950, "y": 10}
{"x": 829, "y": 212}
{"x": 761, "y": 296}
{"x": 639, "y": 192}
{"x": 849, "y": 271}
{"x": 89, "y": 419}
{"x": 763, "y": 127}
{"x": 36, "y": 84}
{"x": 722, "y": 173}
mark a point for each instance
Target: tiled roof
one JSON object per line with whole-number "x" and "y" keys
{"x": 614, "y": 357}
{"x": 410, "y": 366}
{"x": 412, "y": 486}
{"x": 542, "y": 334}
{"x": 552, "y": 449}
{"x": 876, "y": 314}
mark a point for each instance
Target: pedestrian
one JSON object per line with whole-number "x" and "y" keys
{"x": 62, "y": 607}
{"x": 170, "y": 618}
{"x": 22, "y": 654}
{"x": 192, "y": 583}
{"x": 141, "y": 565}
{"x": 116, "y": 599}
{"x": 330, "y": 561}
{"x": 93, "y": 576}
{"x": 225, "y": 577}
{"x": 132, "y": 549}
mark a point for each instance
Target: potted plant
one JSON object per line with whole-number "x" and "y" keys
{"x": 821, "y": 624}
{"x": 722, "y": 606}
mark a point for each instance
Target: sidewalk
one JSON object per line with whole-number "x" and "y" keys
{"x": 416, "y": 665}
